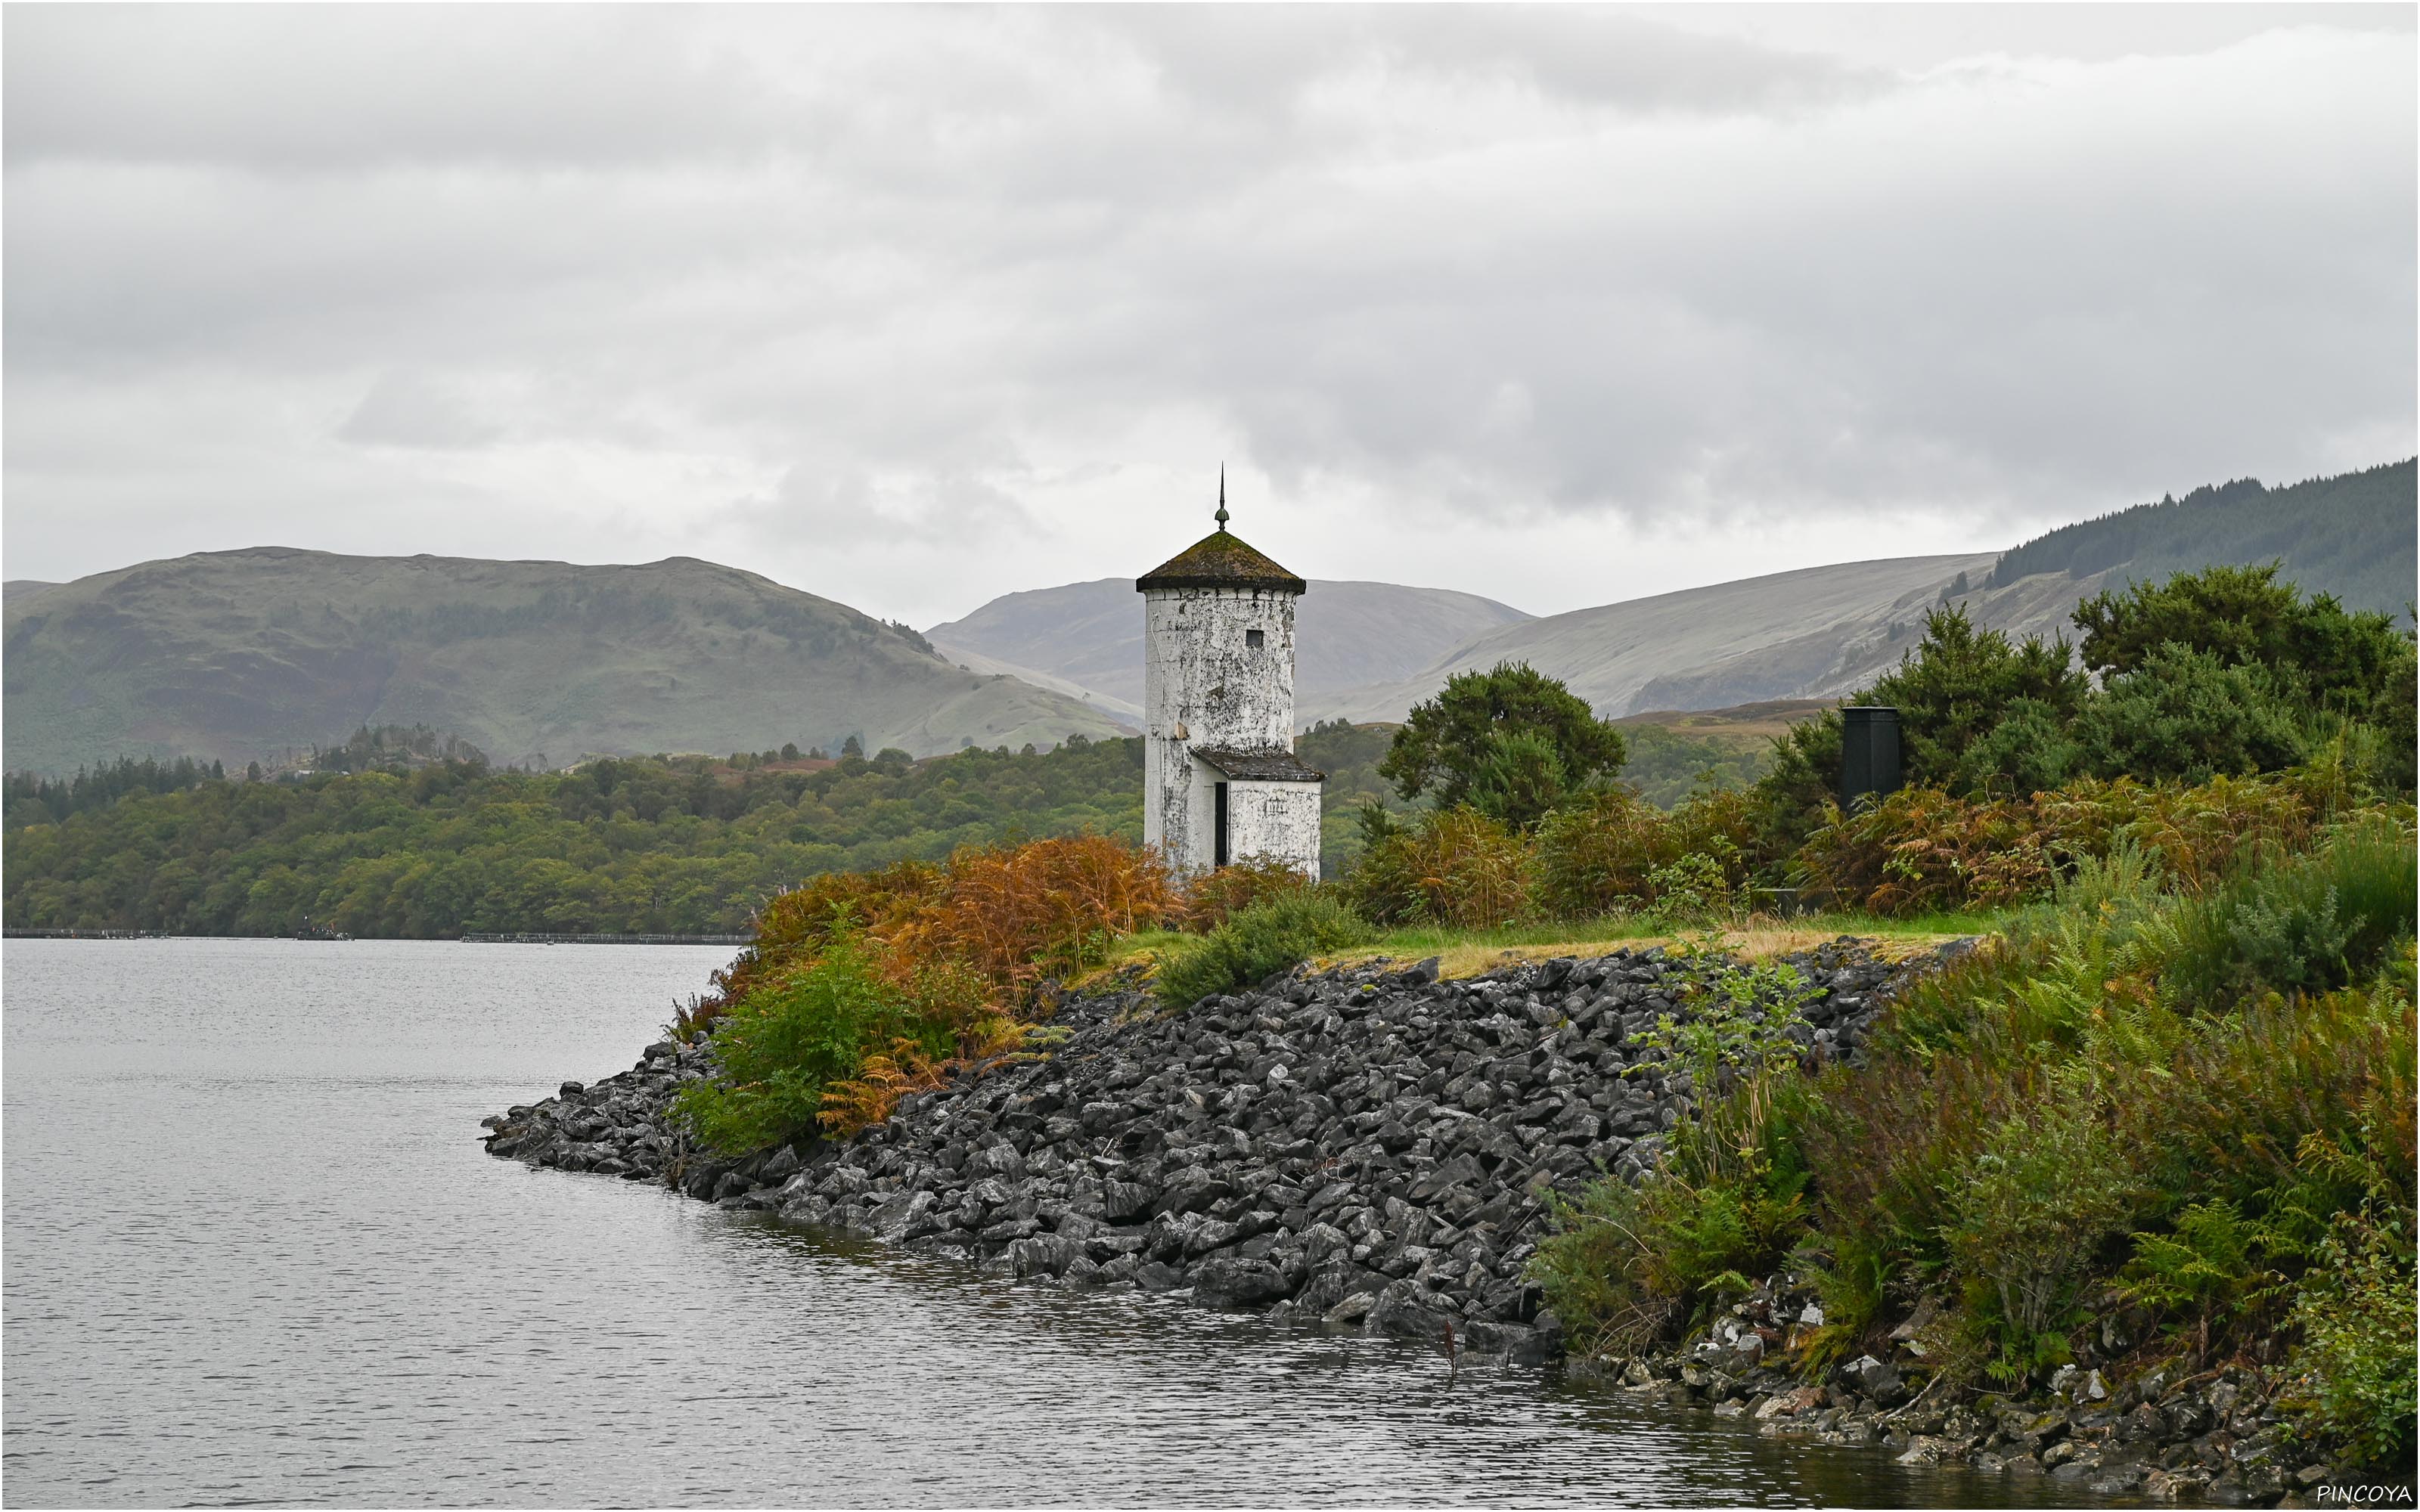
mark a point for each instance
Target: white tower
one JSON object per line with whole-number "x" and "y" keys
{"x": 1221, "y": 780}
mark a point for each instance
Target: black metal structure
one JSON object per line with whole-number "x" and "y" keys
{"x": 1868, "y": 753}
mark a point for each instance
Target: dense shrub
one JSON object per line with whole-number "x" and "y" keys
{"x": 1614, "y": 851}
{"x": 815, "y": 1026}
{"x": 1018, "y": 914}
{"x": 1280, "y": 930}
{"x": 793, "y": 927}
{"x": 1922, "y": 849}
{"x": 2308, "y": 924}
{"x": 861, "y": 987}
{"x": 2188, "y": 715}
{"x": 2243, "y": 616}
{"x": 1014, "y": 913}
{"x": 2195, "y": 833}
{"x": 1454, "y": 866}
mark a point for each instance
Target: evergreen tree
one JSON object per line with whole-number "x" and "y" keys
{"x": 1512, "y": 737}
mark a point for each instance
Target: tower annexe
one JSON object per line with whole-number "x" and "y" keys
{"x": 1220, "y": 779}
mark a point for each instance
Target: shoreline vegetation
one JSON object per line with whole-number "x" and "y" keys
{"x": 2114, "y": 1184}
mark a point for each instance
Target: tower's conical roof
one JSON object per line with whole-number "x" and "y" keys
{"x": 1220, "y": 560}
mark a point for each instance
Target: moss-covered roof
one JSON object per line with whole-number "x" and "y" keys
{"x": 1220, "y": 560}
{"x": 1265, "y": 763}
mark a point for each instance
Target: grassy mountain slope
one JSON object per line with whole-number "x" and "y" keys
{"x": 242, "y": 655}
{"x": 1347, "y": 635}
{"x": 1745, "y": 641}
{"x": 1821, "y": 632}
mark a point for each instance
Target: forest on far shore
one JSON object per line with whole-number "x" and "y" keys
{"x": 406, "y": 833}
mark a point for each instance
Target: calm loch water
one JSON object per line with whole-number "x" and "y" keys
{"x": 254, "y": 1253}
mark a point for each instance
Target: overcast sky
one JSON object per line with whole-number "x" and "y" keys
{"x": 912, "y": 307}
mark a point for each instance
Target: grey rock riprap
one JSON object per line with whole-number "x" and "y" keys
{"x": 1369, "y": 1147}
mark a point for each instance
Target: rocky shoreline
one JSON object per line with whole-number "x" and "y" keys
{"x": 1375, "y": 1149}
{"x": 1371, "y": 1147}
{"x": 2213, "y": 1437}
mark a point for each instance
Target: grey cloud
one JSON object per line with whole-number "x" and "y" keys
{"x": 320, "y": 88}
{"x": 903, "y": 274}
{"x": 404, "y": 408}
{"x": 842, "y": 506}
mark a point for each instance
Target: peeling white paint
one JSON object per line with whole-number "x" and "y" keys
{"x": 1206, "y": 685}
{"x": 1275, "y": 820}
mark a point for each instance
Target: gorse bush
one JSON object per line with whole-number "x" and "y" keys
{"x": 1279, "y": 931}
{"x": 2189, "y": 715}
{"x": 2304, "y": 924}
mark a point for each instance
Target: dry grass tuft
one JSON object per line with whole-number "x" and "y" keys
{"x": 1752, "y": 942}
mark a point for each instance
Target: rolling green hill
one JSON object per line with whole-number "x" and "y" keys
{"x": 245, "y": 655}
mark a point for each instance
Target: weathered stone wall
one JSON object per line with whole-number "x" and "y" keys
{"x": 1204, "y": 684}
{"x": 1279, "y": 820}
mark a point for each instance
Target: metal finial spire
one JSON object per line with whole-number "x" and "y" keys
{"x": 1223, "y": 496}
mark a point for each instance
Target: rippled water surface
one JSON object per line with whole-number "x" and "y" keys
{"x": 254, "y": 1252}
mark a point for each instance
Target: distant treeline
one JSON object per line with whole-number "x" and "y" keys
{"x": 431, "y": 846}
{"x": 1666, "y": 765}
{"x": 44, "y": 800}
{"x": 652, "y": 846}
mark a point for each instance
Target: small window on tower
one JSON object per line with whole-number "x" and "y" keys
{"x": 1252, "y": 640}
